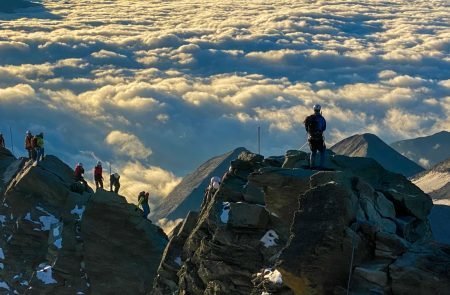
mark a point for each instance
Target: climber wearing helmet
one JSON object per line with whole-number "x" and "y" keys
{"x": 2, "y": 140}
{"x": 98, "y": 175}
{"x": 315, "y": 125}
{"x": 29, "y": 144}
{"x": 114, "y": 181}
{"x": 214, "y": 184}
{"x": 79, "y": 175}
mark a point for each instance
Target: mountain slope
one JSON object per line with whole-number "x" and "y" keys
{"x": 370, "y": 146}
{"x": 428, "y": 150}
{"x": 435, "y": 181}
{"x": 188, "y": 195}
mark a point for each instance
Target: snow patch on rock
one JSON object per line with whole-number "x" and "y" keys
{"x": 269, "y": 239}
{"x": 274, "y": 276}
{"x": 78, "y": 211}
{"x": 44, "y": 274}
{"x": 178, "y": 260}
{"x": 3, "y": 220}
{"x": 225, "y": 212}
{"x": 4, "y": 285}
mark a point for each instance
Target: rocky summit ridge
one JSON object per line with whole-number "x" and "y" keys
{"x": 55, "y": 241}
{"x": 277, "y": 228}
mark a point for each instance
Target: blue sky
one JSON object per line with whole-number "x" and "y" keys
{"x": 158, "y": 87}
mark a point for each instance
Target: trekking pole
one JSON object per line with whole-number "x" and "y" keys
{"x": 303, "y": 146}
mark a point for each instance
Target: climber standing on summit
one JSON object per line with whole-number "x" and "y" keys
{"x": 114, "y": 181}
{"x": 315, "y": 125}
{"x": 29, "y": 144}
{"x": 98, "y": 175}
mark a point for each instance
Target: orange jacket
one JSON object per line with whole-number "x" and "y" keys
{"x": 28, "y": 142}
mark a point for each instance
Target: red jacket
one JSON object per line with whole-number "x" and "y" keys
{"x": 28, "y": 142}
{"x": 98, "y": 172}
{"x": 79, "y": 171}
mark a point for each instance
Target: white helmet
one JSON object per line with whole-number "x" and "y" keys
{"x": 216, "y": 185}
{"x": 80, "y": 164}
{"x": 28, "y": 132}
{"x": 99, "y": 163}
{"x": 317, "y": 108}
{"x": 215, "y": 179}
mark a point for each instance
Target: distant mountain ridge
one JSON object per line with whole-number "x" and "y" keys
{"x": 435, "y": 181}
{"x": 371, "y": 146}
{"x": 426, "y": 151}
{"x": 9, "y": 6}
{"x": 188, "y": 194}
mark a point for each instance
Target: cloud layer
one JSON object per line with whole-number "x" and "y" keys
{"x": 157, "y": 87}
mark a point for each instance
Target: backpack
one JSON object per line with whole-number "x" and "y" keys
{"x": 34, "y": 142}
{"x": 312, "y": 124}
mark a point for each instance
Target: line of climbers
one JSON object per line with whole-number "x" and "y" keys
{"x": 114, "y": 179}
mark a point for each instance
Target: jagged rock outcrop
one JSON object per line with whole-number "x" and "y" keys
{"x": 302, "y": 238}
{"x": 55, "y": 241}
{"x": 370, "y": 146}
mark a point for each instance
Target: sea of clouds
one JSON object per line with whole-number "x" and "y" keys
{"x": 158, "y": 87}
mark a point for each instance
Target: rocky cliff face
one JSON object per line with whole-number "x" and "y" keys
{"x": 54, "y": 241}
{"x": 272, "y": 230}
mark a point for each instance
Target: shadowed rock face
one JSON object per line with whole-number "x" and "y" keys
{"x": 55, "y": 241}
{"x": 303, "y": 244}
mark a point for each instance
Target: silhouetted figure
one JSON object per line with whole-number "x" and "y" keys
{"x": 315, "y": 125}
{"x": 98, "y": 175}
{"x": 114, "y": 182}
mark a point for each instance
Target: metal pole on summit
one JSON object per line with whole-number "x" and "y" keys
{"x": 259, "y": 140}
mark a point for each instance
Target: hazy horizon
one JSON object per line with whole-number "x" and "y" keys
{"x": 158, "y": 87}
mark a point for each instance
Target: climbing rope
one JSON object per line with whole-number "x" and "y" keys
{"x": 351, "y": 265}
{"x": 303, "y": 146}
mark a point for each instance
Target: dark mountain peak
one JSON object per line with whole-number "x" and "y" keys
{"x": 371, "y": 146}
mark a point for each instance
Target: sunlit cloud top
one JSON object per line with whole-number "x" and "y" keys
{"x": 157, "y": 87}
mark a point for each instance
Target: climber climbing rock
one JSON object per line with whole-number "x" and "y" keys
{"x": 114, "y": 182}
{"x": 98, "y": 175}
{"x": 213, "y": 186}
{"x": 2, "y": 141}
{"x": 143, "y": 203}
{"x": 79, "y": 175}
{"x": 315, "y": 125}
{"x": 29, "y": 144}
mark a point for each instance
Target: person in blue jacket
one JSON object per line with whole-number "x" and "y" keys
{"x": 315, "y": 125}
